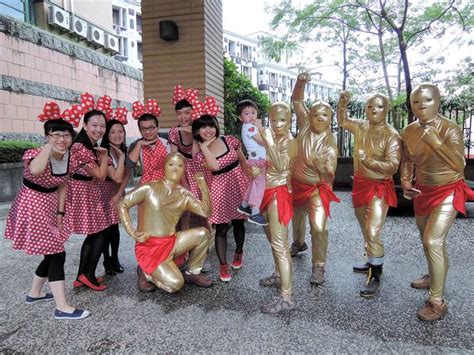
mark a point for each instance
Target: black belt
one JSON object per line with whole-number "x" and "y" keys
{"x": 186, "y": 155}
{"x": 31, "y": 185}
{"x": 227, "y": 168}
{"x": 81, "y": 177}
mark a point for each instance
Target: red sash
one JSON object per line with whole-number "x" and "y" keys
{"x": 432, "y": 196}
{"x": 284, "y": 202}
{"x": 153, "y": 162}
{"x": 364, "y": 190}
{"x": 153, "y": 252}
{"x": 302, "y": 193}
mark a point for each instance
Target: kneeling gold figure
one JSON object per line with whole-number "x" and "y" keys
{"x": 160, "y": 206}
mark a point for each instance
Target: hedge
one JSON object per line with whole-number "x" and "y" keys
{"x": 12, "y": 151}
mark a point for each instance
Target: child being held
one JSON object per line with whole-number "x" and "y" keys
{"x": 247, "y": 111}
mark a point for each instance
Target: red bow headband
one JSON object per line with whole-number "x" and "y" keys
{"x": 190, "y": 95}
{"x": 103, "y": 104}
{"x": 208, "y": 107}
{"x": 120, "y": 115}
{"x": 151, "y": 107}
{"x": 51, "y": 111}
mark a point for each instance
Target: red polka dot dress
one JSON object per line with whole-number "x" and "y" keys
{"x": 153, "y": 161}
{"x": 32, "y": 219}
{"x": 86, "y": 209}
{"x": 109, "y": 189}
{"x": 192, "y": 166}
{"x": 227, "y": 189}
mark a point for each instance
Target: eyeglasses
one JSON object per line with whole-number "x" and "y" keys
{"x": 65, "y": 136}
{"x": 148, "y": 129}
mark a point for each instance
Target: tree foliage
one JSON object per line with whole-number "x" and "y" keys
{"x": 237, "y": 87}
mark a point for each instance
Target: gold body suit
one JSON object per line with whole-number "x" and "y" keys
{"x": 160, "y": 206}
{"x": 281, "y": 149}
{"x": 433, "y": 154}
{"x": 316, "y": 163}
{"x": 377, "y": 155}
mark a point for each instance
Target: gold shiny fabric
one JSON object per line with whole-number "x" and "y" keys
{"x": 160, "y": 205}
{"x": 316, "y": 162}
{"x": 281, "y": 149}
{"x": 377, "y": 155}
{"x": 434, "y": 229}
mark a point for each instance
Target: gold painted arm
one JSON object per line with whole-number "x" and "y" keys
{"x": 131, "y": 199}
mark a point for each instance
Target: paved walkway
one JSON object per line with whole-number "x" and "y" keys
{"x": 226, "y": 317}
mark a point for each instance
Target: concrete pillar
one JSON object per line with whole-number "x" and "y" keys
{"x": 195, "y": 60}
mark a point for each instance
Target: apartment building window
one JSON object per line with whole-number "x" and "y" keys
{"x": 119, "y": 17}
{"x": 246, "y": 52}
{"x": 139, "y": 23}
{"x": 140, "y": 51}
{"x": 273, "y": 79}
{"x": 273, "y": 96}
{"x": 284, "y": 81}
{"x": 232, "y": 48}
{"x": 19, "y": 9}
{"x": 123, "y": 47}
{"x": 247, "y": 72}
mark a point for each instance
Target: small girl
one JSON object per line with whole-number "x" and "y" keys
{"x": 223, "y": 157}
{"x": 114, "y": 138}
{"x": 247, "y": 111}
{"x": 35, "y": 220}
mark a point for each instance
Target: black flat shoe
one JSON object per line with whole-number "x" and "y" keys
{"x": 108, "y": 269}
{"x": 117, "y": 268}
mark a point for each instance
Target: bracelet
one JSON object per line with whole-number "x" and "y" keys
{"x": 61, "y": 213}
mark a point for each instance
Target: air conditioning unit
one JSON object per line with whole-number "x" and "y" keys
{"x": 112, "y": 43}
{"x": 79, "y": 26}
{"x": 96, "y": 35}
{"x": 58, "y": 17}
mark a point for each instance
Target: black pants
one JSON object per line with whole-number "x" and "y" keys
{"x": 52, "y": 267}
{"x": 221, "y": 238}
{"x": 91, "y": 251}
{"x": 111, "y": 244}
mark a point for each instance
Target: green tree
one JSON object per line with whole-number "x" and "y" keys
{"x": 237, "y": 87}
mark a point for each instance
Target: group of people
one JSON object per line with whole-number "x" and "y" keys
{"x": 198, "y": 184}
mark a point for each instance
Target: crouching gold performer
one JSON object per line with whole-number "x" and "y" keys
{"x": 433, "y": 149}
{"x": 277, "y": 204}
{"x": 160, "y": 206}
{"x": 377, "y": 153}
{"x": 312, "y": 177}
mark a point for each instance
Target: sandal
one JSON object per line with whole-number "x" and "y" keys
{"x": 272, "y": 280}
{"x": 277, "y": 305}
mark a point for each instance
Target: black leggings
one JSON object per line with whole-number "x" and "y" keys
{"x": 52, "y": 267}
{"x": 91, "y": 251}
{"x": 221, "y": 238}
{"x": 111, "y": 243}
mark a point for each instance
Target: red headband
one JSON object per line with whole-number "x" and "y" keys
{"x": 151, "y": 107}
{"x": 120, "y": 115}
{"x": 190, "y": 95}
{"x": 208, "y": 107}
{"x": 51, "y": 111}
{"x": 103, "y": 104}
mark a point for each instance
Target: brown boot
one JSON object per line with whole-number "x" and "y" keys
{"x": 432, "y": 311}
{"x": 197, "y": 279}
{"x": 317, "y": 275}
{"x": 422, "y": 282}
{"x": 296, "y": 249}
{"x": 142, "y": 283}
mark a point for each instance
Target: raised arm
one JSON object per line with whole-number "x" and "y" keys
{"x": 203, "y": 207}
{"x": 40, "y": 162}
{"x": 297, "y": 99}
{"x": 131, "y": 199}
{"x": 342, "y": 118}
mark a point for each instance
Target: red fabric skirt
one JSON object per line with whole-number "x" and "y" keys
{"x": 284, "y": 202}
{"x": 153, "y": 252}
{"x": 364, "y": 190}
{"x": 302, "y": 192}
{"x": 432, "y": 196}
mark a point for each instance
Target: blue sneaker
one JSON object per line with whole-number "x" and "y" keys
{"x": 45, "y": 298}
{"x": 77, "y": 314}
{"x": 244, "y": 210}
{"x": 258, "y": 219}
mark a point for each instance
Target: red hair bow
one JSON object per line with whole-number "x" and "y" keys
{"x": 51, "y": 111}
{"x": 120, "y": 115}
{"x": 190, "y": 95}
{"x": 103, "y": 104}
{"x": 151, "y": 107}
{"x": 208, "y": 107}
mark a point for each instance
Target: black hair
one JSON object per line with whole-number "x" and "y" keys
{"x": 58, "y": 125}
{"x": 82, "y": 137}
{"x": 147, "y": 117}
{"x": 242, "y": 105}
{"x": 204, "y": 121}
{"x": 182, "y": 104}
{"x": 105, "y": 140}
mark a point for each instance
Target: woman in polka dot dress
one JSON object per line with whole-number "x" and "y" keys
{"x": 87, "y": 209}
{"x": 222, "y": 155}
{"x": 112, "y": 191}
{"x": 35, "y": 220}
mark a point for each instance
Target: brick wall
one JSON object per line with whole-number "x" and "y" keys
{"x": 37, "y": 66}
